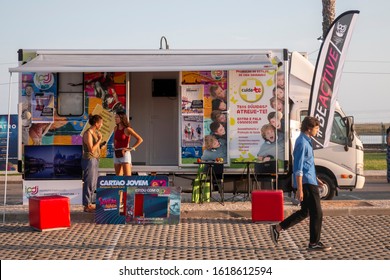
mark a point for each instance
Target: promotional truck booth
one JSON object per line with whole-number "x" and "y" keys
{"x": 239, "y": 107}
{"x": 187, "y": 105}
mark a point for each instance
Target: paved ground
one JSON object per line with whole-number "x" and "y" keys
{"x": 209, "y": 231}
{"x": 352, "y": 237}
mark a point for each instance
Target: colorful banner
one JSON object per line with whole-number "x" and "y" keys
{"x": 107, "y": 89}
{"x": 192, "y": 131}
{"x": 256, "y": 115}
{"x": 137, "y": 199}
{"x": 204, "y": 100}
{"x": 12, "y": 127}
{"x": 327, "y": 75}
{"x": 104, "y": 92}
{"x": 192, "y": 100}
{"x": 39, "y": 91}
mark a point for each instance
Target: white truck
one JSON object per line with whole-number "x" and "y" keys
{"x": 176, "y": 99}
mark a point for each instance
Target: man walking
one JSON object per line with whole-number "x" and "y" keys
{"x": 307, "y": 188}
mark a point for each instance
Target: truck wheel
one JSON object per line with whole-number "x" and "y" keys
{"x": 329, "y": 189}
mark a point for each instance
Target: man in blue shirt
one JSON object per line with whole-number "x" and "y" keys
{"x": 307, "y": 188}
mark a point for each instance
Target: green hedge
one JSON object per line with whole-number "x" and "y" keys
{"x": 375, "y": 161}
{"x": 372, "y": 161}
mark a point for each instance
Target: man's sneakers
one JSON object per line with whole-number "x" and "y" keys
{"x": 274, "y": 234}
{"x": 319, "y": 247}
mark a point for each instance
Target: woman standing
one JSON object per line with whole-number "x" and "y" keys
{"x": 122, "y": 136}
{"x": 92, "y": 139}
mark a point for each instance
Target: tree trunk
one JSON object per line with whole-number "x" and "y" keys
{"x": 328, "y": 14}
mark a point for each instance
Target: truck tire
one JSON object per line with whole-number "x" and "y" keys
{"x": 329, "y": 189}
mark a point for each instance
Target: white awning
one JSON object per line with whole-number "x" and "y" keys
{"x": 58, "y": 61}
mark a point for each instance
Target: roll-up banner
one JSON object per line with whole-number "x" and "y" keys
{"x": 326, "y": 79}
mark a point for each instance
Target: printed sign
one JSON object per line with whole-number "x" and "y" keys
{"x": 257, "y": 107}
{"x": 12, "y": 128}
{"x": 136, "y": 199}
{"x": 68, "y": 188}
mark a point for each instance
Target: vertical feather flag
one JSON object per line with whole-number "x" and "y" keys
{"x": 327, "y": 75}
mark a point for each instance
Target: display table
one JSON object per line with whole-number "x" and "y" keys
{"x": 49, "y": 212}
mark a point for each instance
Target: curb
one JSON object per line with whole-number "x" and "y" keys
{"x": 20, "y": 213}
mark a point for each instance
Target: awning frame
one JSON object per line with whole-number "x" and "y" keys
{"x": 58, "y": 61}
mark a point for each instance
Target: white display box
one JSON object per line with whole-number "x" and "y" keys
{"x": 69, "y": 188}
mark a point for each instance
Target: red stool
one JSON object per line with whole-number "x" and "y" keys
{"x": 267, "y": 205}
{"x": 49, "y": 212}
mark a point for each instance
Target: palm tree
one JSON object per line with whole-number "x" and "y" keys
{"x": 328, "y": 14}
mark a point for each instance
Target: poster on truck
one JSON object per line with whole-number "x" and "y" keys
{"x": 38, "y": 101}
{"x": 192, "y": 100}
{"x": 107, "y": 89}
{"x": 204, "y": 100}
{"x": 257, "y": 107}
{"x": 10, "y": 129}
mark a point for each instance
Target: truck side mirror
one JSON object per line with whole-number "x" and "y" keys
{"x": 350, "y": 128}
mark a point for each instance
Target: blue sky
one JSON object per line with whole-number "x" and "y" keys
{"x": 218, "y": 24}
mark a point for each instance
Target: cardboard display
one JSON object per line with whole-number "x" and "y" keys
{"x": 137, "y": 199}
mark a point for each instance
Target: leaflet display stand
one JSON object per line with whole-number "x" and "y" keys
{"x": 137, "y": 199}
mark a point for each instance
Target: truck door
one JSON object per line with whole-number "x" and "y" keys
{"x": 164, "y": 129}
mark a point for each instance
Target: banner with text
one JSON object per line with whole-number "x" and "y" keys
{"x": 204, "y": 106}
{"x": 256, "y": 115}
{"x": 327, "y": 75}
{"x": 12, "y": 128}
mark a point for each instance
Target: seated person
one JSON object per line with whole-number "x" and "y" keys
{"x": 268, "y": 148}
{"x": 214, "y": 148}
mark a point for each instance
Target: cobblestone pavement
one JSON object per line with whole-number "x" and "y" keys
{"x": 209, "y": 231}
{"x": 352, "y": 237}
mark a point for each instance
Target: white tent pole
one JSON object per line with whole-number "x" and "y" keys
{"x": 7, "y": 154}
{"x": 276, "y": 131}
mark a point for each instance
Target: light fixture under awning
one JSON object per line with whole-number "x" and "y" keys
{"x": 147, "y": 61}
